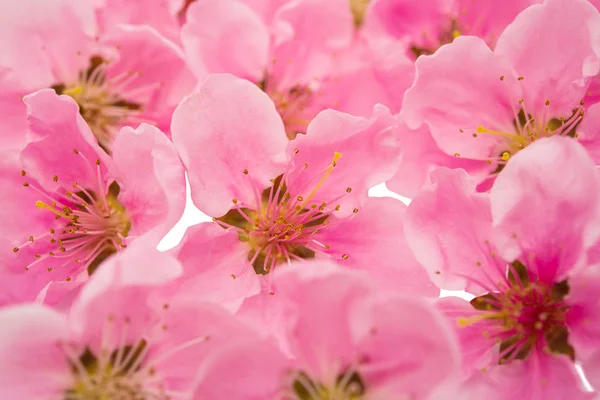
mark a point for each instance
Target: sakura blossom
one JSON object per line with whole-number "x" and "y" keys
{"x": 487, "y": 105}
{"x": 124, "y": 76}
{"x": 71, "y": 205}
{"x": 299, "y": 199}
{"x": 340, "y": 330}
{"x": 524, "y": 254}
{"x": 291, "y": 201}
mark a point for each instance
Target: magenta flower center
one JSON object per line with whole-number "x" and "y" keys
{"x": 523, "y": 316}
{"x": 282, "y": 225}
{"x": 87, "y": 227}
{"x": 102, "y": 100}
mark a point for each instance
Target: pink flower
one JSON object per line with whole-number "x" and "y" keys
{"x": 347, "y": 339}
{"x": 523, "y": 251}
{"x": 306, "y": 55}
{"x": 296, "y": 200}
{"x": 127, "y": 75}
{"x": 487, "y": 105}
{"x": 69, "y": 205}
{"x": 121, "y": 340}
{"x": 427, "y": 25}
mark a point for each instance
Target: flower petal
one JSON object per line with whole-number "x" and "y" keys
{"x": 225, "y": 127}
{"x": 225, "y": 36}
{"x": 462, "y": 86}
{"x": 32, "y": 365}
{"x": 554, "y": 47}
{"x": 546, "y": 205}
{"x": 447, "y": 226}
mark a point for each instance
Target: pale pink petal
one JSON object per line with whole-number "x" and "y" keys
{"x": 546, "y": 204}
{"x": 369, "y": 155}
{"x": 151, "y": 177}
{"x": 225, "y": 36}
{"x": 540, "y": 377}
{"x": 60, "y": 143}
{"x": 317, "y": 29}
{"x": 488, "y": 18}
{"x": 583, "y": 314}
{"x": 162, "y": 77}
{"x": 477, "y": 350}
{"x": 117, "y": 299}
{"x": 225, "y": 127}
{"x": 447, "y": 226}
{"x": 44, "y": 43}
{"x": 374, "y": 241}
{"x": 428, "y": 360}
{"x": 251, "y": 369}
{"x": 319, "y": 328}
{"x": 32, "y": 365}
{"x": 184, "y": 340}
{"x": 155, "y": 13}
{"x": 554, "y": 47}
{"x": 216, "y": 267}
{"x": 458, "y": 89}
{"x": 589, "y": 132}
{"x": 420, "y": 156}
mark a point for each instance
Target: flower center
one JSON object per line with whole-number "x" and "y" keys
{"x": 89, "y": 226}
{"x": 108, "y": 377}
{"x": 282, "y": 226}
{"x": 100, "y": 99}
{"x": 528, "y": 129}
{"x": 429, "y": 45}
{"x": 292, "y": 105}
{"x": 348, "y": 386}
{"x": 359, "y": 11}
{"x": 523, "y": 316}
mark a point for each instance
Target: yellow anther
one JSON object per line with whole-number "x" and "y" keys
{"x": 74, "y": 91}
{"x": 502, "y": 78}
{"x": 348, "y": 190}
{"x": 505, "y": 156}
{"x": 23, "y": 173}
{"x": 336, "y": 157}
{"x": 455, "y": 33}
{"x": 345, "y": 256}
{"x": 245, "y": 171}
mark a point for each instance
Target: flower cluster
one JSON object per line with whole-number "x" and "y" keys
{"x": 275, "y": 118}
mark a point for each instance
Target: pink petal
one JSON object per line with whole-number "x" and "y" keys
{"x": 225, "y": 36}
{"x": 447, "y": 225}
{"x": 45, "y": 43}
{"x": 460, "y": 88}
{"x": 409, "y": 346}
{"x": 420, "y": 156}
{"x": 488, "y": 18}
{"x": 583, "y": 314}
{"x": 589, "y": 132}
{"x": 374, "y": 241}
{"x": 117, "y": 299}
{"x": 546, "y": 204}
{"x": 251, "y": 369}
{"x": 421, "y": 21}
{"x": 319, "y": 327}
{"x": 369, "y": 155}
{"x": 32, "y": 365}
{"x": 202, "y": 328}
{"x": 541, "y": 377}
{"x": 151, "y": 178}
{"x": 316, "y": 29}
{"x": 55, "y": 130}
{"x": 216, "y": 267}
{"x": 162, "y": 75}
{"x": 225, "y": 127}
{"x": 555, "y": 65}
{"x": 155, "y": 13}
